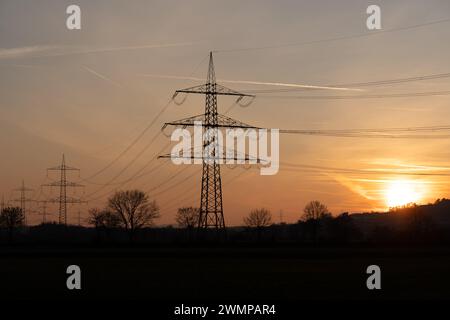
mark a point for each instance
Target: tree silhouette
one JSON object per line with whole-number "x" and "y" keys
{"x": 258, "y": 218}
{"x": 135, "y": 210}
{"x": 11, "y": 218}
{"x": 187, "y": 217}
{"x": 420, "y": 223}
{"x": 104, "y": 218}
{"x": 313, "y": 212}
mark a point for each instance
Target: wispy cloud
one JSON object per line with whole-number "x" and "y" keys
{"x": 354, "y": 187}
{"x": 114, "y": 49}
{"x": 11, "y": 53}
{"x": 397, "y": 166}
{"x": 101, "y": 76}
{"x": 278, "y": 84}
{"x": 57, "y": 51}
{"x": 21, "y": 65}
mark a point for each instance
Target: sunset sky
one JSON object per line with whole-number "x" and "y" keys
{"x": 89, "y": 93}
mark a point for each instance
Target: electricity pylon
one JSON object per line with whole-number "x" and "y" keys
{"x": 211, "y": 204}
{"x": 63, "y": 200}
{"x": 2, "y": 205}
{"x": 44, "y": 212}
{"x": 79, "y": 218}
{"x": 23, "y": 199}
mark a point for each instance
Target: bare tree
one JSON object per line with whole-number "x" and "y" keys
{"x": 104, "y": 218}
{"x": 258, "y": 218}
{"x": 135, "y": 210}
{"x": 11, "y": 218}
{"x": 187, "y": 217}
{"x": 315, "y": 210}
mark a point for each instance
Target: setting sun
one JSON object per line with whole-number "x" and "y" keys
{"x": 402, "y": 192}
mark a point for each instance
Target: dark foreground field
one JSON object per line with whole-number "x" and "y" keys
{"x": 225, "y": 274}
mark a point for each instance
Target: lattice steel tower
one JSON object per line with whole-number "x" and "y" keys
{"x": 2, "y": 205}
{"x": 211, "y": 205}
{"x": 63, "y": 200}
{"x": 23, "y": 200}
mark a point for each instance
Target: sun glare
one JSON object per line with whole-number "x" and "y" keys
{"x": 401, "y": 192}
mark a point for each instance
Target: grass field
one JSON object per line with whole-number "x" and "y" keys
{"x": 204, "y": 274}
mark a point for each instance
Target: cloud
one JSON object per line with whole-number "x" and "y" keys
{"x": 103, "y": 77}
{"x": 354, "y": 187}
{"x": 278, "y": 84}
{"x": 11, "y": 53}
{"x": 58, "y": 51}
{"x": 114, "y": 49}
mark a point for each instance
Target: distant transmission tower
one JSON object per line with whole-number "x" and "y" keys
{"x": 211, "y": 204}
{"x": 43, "y": 211}
{"x": 79, "y": 218}
{"x": 23, "y": 199}
{"x": 63, "y": 200}
{"x": 2, "y": 205}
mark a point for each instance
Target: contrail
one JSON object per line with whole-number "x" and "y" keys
{"x": 10, "y": 53}
{"x": 98, "y": 75}
{"x": 280, "y": 84}
{"x": 39, "y": 51}
{"x": 16, "y": 65}
{"x": 113, "y": 49}
{"x": 291, "y": 85}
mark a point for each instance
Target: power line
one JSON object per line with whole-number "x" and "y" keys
{"x": 306, "y": 167}
{"x": 177, "y": 184}
{"x": 164, "y": 108}
{"x": 132, "y": 144}
{"x": 128, "y": 165}
{"x": 377, "y": 130}
{"x": 399, "y": 132}
{"x": 364, "y": 84}
{"x": 366, "y": 96}
{"x": 390, "y": 133}
{"x": 189, "y": 194}
{"x": 347, "y": 37}
{"x": 170, "y": 178}
{"x": 135, "y": 176}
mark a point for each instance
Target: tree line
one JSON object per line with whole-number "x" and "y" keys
{"x": 127, "y": 212}
{"x": 132, "y": 210}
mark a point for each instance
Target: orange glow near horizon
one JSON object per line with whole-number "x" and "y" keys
{"x": 402, "y": 192}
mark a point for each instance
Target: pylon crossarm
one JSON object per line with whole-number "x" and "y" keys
{"x": 24, "y": 199}
{"x": 184, "y": 122}
{"x": 174, "y": 156}
{"x": 68, "y": 200}
{"x": 23, "y": 189}
{"x": 237, "y": 156}
{"x": 58, "y": 184}
{"x": 222, "y": 122}
{"x": 62, "y": 168}
{"x": 217, "y": 89}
